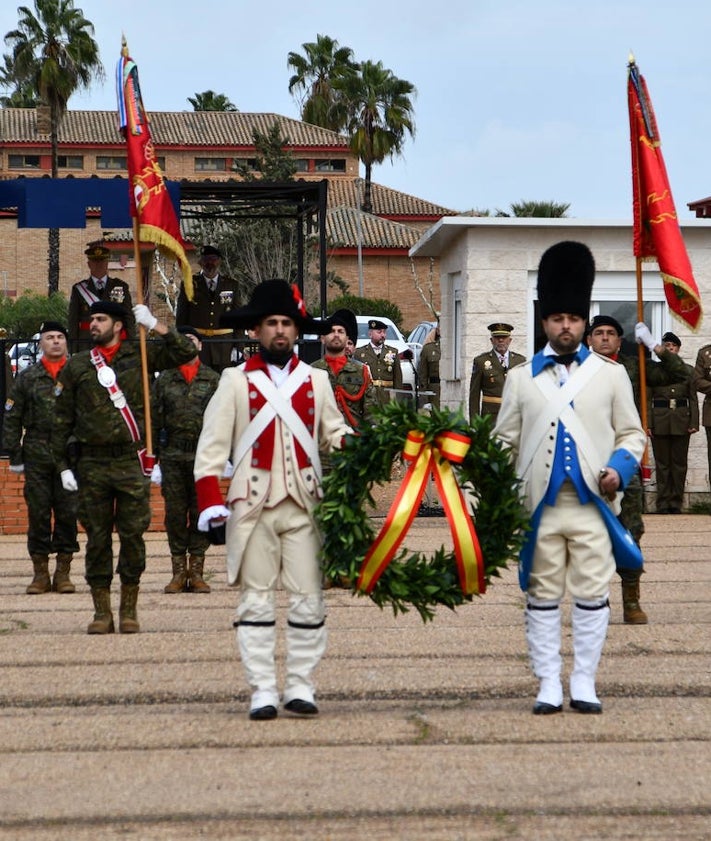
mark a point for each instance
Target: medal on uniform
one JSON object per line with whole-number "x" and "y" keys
{"x": 106, "y": 376}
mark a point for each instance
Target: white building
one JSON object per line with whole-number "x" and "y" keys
{"x": 488, "y": 272}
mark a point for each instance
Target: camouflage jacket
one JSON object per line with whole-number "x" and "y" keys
{"x": 353, "y": 379}
{"x": 671, "y": 368}
{"x": 84, "y": 410}
{"x": 177, "y": 409}
{"x": 30, "y": 410}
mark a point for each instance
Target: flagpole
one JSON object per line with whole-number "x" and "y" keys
{"x": 142, "y": 341}
{"x": 642, "y": 369}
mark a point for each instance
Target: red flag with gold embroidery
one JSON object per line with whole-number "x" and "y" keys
{"x": 149, "y": 198}
{"x": 657, "y": 235}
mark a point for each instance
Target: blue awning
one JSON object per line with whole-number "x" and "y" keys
{"x": 63, "y": 202}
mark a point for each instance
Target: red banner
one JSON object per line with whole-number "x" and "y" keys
{"x": 657, "y": 235}
{"x": 149, "y": 198}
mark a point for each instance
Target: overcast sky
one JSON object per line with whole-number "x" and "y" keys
{"x": 516, "y": 99}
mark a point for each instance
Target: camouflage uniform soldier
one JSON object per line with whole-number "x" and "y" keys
{"x": 489, "y": 372}
{"x": 28, "y": 420}
{"x": 673, "y": 418}
{"x": 428, "y": 366}
{"x": 605, "y": 337}
{"x": 382, "y": 360}
{"x": 350, "y": 379}
{"x": 100, "y": 404}
{"x": 97, "y": 287}
{"x": 180, "y": 397}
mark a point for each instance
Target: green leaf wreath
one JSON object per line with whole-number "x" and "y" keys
{"x": 413, "y": 579}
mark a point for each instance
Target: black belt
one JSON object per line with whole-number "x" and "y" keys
{"x": 672, "y": 403}
{"x": 185, "y": 445}
{"x": 107, "y": 450}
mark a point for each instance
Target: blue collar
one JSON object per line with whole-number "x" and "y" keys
{"x": 541, "y": 361}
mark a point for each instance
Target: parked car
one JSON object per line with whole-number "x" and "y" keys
{"x": 24, "y": 354}
{"x": 394, "y": 338}
{"x": 417, "y": 338}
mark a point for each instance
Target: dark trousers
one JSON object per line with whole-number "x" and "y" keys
{"x": 51, "y": 512}
{"x": 181, "y": 508}
{"x": 670, "y": 456}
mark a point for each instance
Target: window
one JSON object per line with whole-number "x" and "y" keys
{"x": 210, "y": 164}
{"x": 160, "y": 160}
{"x": 249, "y": 163}
{"x": 328, "y": 165}
{"x": 111, "y": 162}
{"x": 302, "y": 164}
{"x": 70, "y": 161}
{"x": 23, "y": 161}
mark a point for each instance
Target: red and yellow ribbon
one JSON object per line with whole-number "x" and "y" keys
{"x": 435, "y": 458}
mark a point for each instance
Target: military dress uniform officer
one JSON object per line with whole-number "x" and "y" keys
{"x": 382, "y": 360}
{"x": 100, "y": 406}
{"x": 97, "y": 287}
{"x": 179, "y": 399}
{"x": 428, "y": 366}
{"x": 489, "y": 372}
{"x": 51, "y": 510}
{"x": 673, "y": 418}
{"x": 214, "y": 295}
{"x": 350, "y": 379}
{"x": 702, "y": 384}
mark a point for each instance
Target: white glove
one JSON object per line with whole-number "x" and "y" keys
{"x": 212, "y": 513}
{"x": 643, "y": 336}
{"x": 229, "y": 470}
{"x": 17, "y": 468}
{"x": 156, "y": 475}
{"x": 69, "y": 482}
{"x": 144, "y": 316}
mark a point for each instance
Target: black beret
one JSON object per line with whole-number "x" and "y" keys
{"x": 606, "y": 321}
{"x": 188, "y": 330}
{"x": 52, "y": 327}
{"x": 671, "y": 337}
{"x": 116, "y": 311}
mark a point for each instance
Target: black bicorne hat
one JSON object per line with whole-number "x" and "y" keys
{"x": 346, "y": 318}
{"x": 275, "y": 297}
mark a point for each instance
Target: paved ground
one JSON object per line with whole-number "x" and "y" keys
{"x": 425, "y": 730}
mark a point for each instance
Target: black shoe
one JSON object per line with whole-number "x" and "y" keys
{"x": 263, "y": 713}
{"x": 541, "y": 708}
{"x": 301, "y": 707}
{"x": 586, "y": 707}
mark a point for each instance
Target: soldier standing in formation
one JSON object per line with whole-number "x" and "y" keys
{"x": 214, "y": 294}
{"x": 382, "y": 360}
{"x": 180, "y": 397}
{"x": 350, "y": 379}
{"x": 605, "y": 337}
{"x": 100, "y": 405}
{"x": 673, "y": 419}
{"x": 702, "y": 383}
{"x": 97, "y": 287}
{"x": 428, "y": 366}
{"x": 489, "y": 372}
{"x": 51, "y": 510}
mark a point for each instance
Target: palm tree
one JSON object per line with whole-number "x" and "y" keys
{"x": 379, "y": 115}
{"x": 53, "y": 51}
{"x": 20, "y": 95}
{"x": 211, "y": 101}
{"x": 538, "y": 209}
{"x": 313, "y": 82}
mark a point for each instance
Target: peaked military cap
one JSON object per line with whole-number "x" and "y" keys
{"x": 377, "y": 324}
{"x": 500, "y": 328}
{"x": 97, "y": 252}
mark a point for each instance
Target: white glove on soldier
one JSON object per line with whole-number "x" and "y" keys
{"x": 643, "y": 336}
{"x": 156, "y": 475}
{"x": 144, "y": 316}
{"x": 212, "y": 512}
{"x": 18, "y": 468}
{"x": 69, "y": 482}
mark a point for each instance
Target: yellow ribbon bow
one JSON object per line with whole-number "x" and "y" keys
{"x": 435, "y": 458}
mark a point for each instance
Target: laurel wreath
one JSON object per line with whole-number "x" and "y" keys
{"x": 413, "y": 579}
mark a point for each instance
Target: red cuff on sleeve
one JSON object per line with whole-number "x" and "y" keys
{"x": 208, "y": 492}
